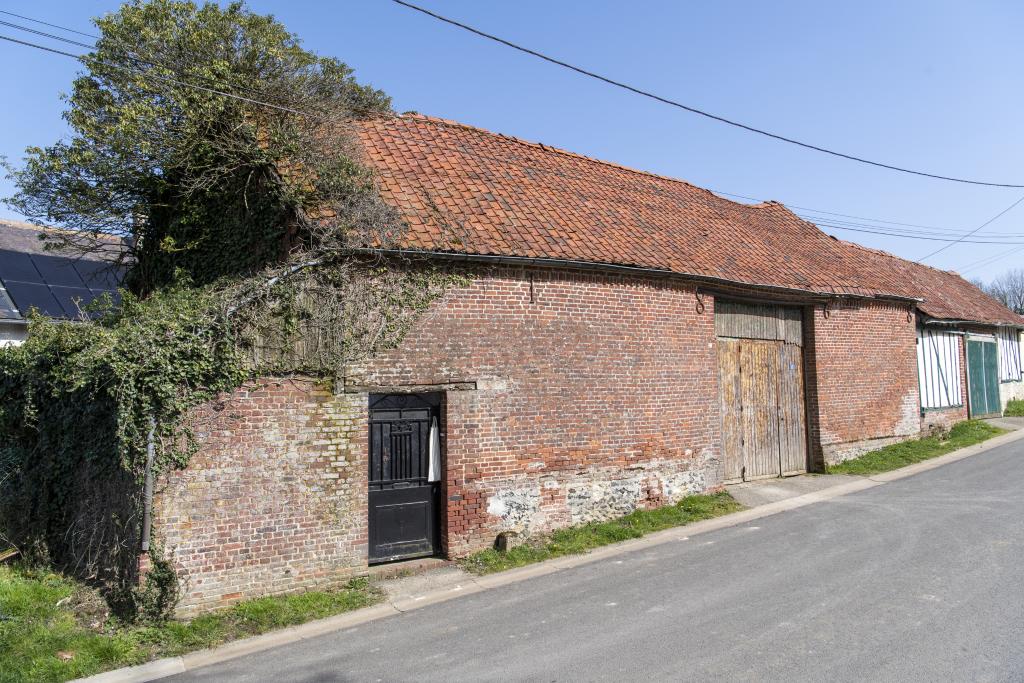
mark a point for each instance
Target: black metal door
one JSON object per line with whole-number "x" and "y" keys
{"x": 403, "y": 505}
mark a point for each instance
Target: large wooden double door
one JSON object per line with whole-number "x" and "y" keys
{"x": 761, "y": 379}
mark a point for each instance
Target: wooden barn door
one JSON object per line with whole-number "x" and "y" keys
{"x": 792, "y": 414}
{"x": 760, "y": 358}
{"x": 983, "y": 377}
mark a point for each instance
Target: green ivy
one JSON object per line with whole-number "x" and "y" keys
{"x": 77, "y": 399}
{"x": 245, "y": 231}
{"x": 75, "y": 407}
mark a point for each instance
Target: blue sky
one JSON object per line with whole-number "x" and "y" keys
{"x": 932, "y": 85}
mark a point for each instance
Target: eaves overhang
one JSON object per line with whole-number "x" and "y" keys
{"x": 461, "y": 257}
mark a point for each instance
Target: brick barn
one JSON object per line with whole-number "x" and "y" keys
{"x": 624, "y": 340}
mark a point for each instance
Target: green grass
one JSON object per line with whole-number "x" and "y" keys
{"x": 580, "y": 539}
{"x": 54, "y": 629}
{"x": 1014, "y": 408}
{"x": 906, "y": 453}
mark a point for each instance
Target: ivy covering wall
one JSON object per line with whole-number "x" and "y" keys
{"x": 219, "y": 150}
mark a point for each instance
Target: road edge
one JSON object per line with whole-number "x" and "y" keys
{"x": 162, "y": 668}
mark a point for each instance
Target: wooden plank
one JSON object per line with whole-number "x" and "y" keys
{"x": 938, "y": 367}
{"x": 995, "y": 404}
{"x": 761, "y": 389}
{"x": 792, "y": 416}
{"x": 732, "y": 412}
{"x": 794, "y": 326}
{"x": 982, "y": 378}
{"x": 759, "y": 396}
{"x": 1009, "y": 354}
{"x": 759, "y": 321}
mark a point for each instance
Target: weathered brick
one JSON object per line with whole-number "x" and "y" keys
{"x": 569, "y": 396}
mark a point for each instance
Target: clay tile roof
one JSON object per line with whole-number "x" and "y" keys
{"x": 947, "y": 296}
{"x": 470, "y": 191}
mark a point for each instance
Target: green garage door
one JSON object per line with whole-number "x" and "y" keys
{"x": 983, "y": 377}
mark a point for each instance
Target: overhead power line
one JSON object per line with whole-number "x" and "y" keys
{"x": 45, "y": 34}
{"x": 828, "y": 219}
{"x": 910, "y": 232}
{"x": 149, "y": 74}
{"x": 929, "y": 238}
{"x": 832, "y": 213}
{"x": 926, "y": 233}
{"x": 990, "y": 220}
{"x": 46, "y": 23}
{"x": 989, "y": 260}
{"x": 694, "y": 110}
{"x": 120, "y": 44}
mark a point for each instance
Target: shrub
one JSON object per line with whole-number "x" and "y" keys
{"x": 1014, "y": 408}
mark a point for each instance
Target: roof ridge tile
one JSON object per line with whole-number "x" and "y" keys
{"x": 516, "y": 198}
{"x": 576, "y": 155}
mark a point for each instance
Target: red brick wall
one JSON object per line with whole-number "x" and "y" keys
{"x": 569, "y": 396}
{"x": 275, "y": 500}
{"x": 866, "y": 377}
{"x": 594, "y": 394}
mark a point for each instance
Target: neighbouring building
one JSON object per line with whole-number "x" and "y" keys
{"x": 50, "y": 282}
{"x": 624, "y": 340}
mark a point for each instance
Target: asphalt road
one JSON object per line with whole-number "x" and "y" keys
{"x": 921, "y": 579}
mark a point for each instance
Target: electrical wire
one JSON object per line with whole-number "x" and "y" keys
{"x": 950, "y": 240}
{"x": 910, "y": 232}
{"x": 808, "y": 214}
{"x": 929, "y": 233}
{"x": 694, "y": 110}
{"x": 45, "y": 34}
{"x": 829, "y": 219}
{"x": 165, "y": 79}
{"x": 127, "y": 50}
{"x": 990, "y": 220}
{"x": 989, "y": 260}
{"x": 833, "y": 213}
{"x": 46, "y": 23}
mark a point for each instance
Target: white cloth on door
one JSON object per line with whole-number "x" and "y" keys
{"x": 434, "y": 471}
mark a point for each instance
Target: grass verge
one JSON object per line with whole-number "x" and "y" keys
{"x": 1014, "y": 408}
{"x": 54, "y": 629}
{"x": 906, "y": 453}
{"x": 580, "y": 539}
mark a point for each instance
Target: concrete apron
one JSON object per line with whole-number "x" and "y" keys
{"x": 475, "y": 584}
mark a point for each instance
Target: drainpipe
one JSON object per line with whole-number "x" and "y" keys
{"x": 147, "y": 505}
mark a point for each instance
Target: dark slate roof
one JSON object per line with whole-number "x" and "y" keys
{"x": 54, "y": 284}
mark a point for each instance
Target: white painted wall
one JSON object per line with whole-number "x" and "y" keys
{"x": 939, "y": 368}
{"x": 1012, "y": 390}
{"x": 12, "y": 333}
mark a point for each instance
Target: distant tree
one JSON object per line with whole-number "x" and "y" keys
{"x": 1008, "y": 288}
{"x": 982, "y": 285}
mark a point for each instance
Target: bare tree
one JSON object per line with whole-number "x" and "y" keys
{"x": 1008, "y": 288}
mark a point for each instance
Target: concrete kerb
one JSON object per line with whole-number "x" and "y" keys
{"x": 174, "y": 665}
{"x": 967, "y": 452}
{"x": 150, "y": 671}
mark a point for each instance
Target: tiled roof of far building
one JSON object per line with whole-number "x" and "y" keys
{"x": 464, "y": 190}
